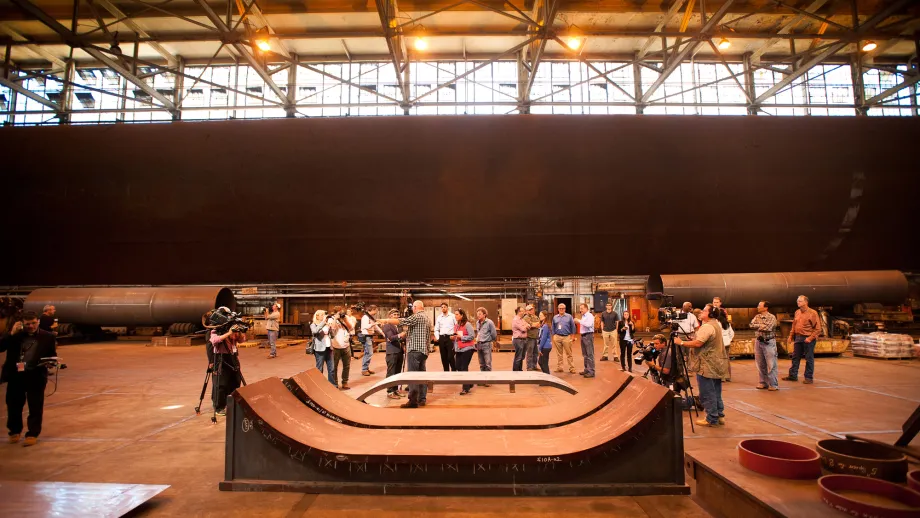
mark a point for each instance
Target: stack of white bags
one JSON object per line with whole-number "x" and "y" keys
{"x": 883, "y": 345}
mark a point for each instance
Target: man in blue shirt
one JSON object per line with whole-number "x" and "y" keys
{"x": 563, "y": 329}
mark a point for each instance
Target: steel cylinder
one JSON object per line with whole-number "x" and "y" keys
{"x": 782, "y": 288}
{"x": 143, "y": 306}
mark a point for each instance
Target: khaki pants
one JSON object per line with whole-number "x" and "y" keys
{"x": 563, "y": 344}
{"x": 610, "y": 343}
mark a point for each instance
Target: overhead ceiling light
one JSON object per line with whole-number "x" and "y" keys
{"x": 869, "y": 46}
{"x": 573, "y": 42}
{"x": 263, "y": 44}
{"x": 724, "y": 43}
{"x": 421, "y": 44}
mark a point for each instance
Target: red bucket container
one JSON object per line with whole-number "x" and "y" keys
{"x": 779, "y": 459}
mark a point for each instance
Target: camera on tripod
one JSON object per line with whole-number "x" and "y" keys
{"x": 668, "y": 314}
{"x": 222, "y": 320}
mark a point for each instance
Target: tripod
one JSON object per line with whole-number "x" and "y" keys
{"x": 207, "y": 377}
{"x": 686, "y": 389}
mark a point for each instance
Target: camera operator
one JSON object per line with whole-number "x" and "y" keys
{"x": 663, "y": 365}
{"x": 323, "y": 329}
{"x": 396, "y": 351}
{"x": 224, "y": 362}
{"x": 420, "y": 334}
{"x": 272, "y": 321}
{"x": 710, "y": 363}
{"x": 369, "y": 327}
{"x": 25, "y": 346}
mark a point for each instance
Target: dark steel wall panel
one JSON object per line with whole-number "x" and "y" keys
{"x": 417, "y": 197}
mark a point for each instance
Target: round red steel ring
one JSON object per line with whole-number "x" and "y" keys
{"x": 830, "y": 484}
{"x": 779, "y": 459}
{"x": 913, "y": 480}
{"x": 847, "y": 457}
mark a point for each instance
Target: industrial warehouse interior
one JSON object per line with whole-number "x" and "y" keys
{"x": 468, "y": 258}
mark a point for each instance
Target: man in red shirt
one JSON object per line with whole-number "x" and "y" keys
{"x": 804, "y": 334}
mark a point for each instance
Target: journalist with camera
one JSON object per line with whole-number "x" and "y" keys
{"x": 657, "y": 357}
{"x": 272, "y": 321}
{"x": 223, "y": 358}
{"x": 28, "y": 349}
{"x": 710, "y": 363}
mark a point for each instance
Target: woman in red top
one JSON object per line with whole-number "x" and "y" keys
{"x": 464, "y": 345}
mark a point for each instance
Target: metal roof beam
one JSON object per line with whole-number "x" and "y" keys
{"x": 675, "y": 62}
{"x": 74, "y": 40}
{"x": 110, "y": 7}
{"x": 230, "y": 38}
{"x": 785, "y": 29}
{"x": 35, "y": 49}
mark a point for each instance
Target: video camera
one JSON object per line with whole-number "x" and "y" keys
{"x": 668, "y": 314}
{"x": 359, "y": 307}
{"x": 645, "y": 353}
{"x": 222, "y": 320}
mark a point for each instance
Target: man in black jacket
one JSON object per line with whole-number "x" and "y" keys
{"x": 25, "y": 345}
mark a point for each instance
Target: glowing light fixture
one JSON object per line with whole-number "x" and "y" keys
{"x": 724, "y": 43}
{"x": 263, "y": 44}
{"x": 869, "y": 46}
{"x": 573, "y": 42}
{"x": 421, "y": 43}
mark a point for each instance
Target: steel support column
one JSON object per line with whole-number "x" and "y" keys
{"x": 290, "y": 110}
{"x": 179, "y": 86}
{"x": 67, "y": 92}
{"x": 637, "y": 85}
{"x": 859, "y": 91}
{"x": 749, "y": 83}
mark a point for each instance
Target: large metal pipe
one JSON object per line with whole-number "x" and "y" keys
{"x": 822, "y": 288}
{"x": 146, "y": 306}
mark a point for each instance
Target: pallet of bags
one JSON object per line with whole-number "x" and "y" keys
{"x": 882, "y": 345}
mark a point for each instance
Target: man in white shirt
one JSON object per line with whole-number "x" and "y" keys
{"x": 368, "y": 328}
{"x": 587, "y": 339}
{"x": 688, "y": 326}
{"x": 443, "y": 329}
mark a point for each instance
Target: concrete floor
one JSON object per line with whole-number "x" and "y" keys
{"x": 124, "y": 414}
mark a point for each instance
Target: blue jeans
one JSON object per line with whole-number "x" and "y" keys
{"x": 324, "y": 359}
{"x": 587, "y": 350}
{"x": 520, "y": 351}
{"x": 368, "y": 341}
{"x": 415, "y": 361}
{"x": 765, "y": 358}
{"x": 272, "y": 336}
{"x": 711, "y": 397}
{"x": 806, "y": 349}
{"x": 463, "y": 359}
{"x": 534, "y": 356}
{"x": 485, "y": 356}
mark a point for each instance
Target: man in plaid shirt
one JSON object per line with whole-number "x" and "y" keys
{"x": 764, "y": 325}
{"x": 421, "y": 333}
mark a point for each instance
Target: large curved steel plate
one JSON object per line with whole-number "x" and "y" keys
{"x": 633, "y": 447}
{"x": 153, "y": 203}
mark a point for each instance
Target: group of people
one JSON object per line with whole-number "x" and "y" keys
{"x": 704, "y": 334}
